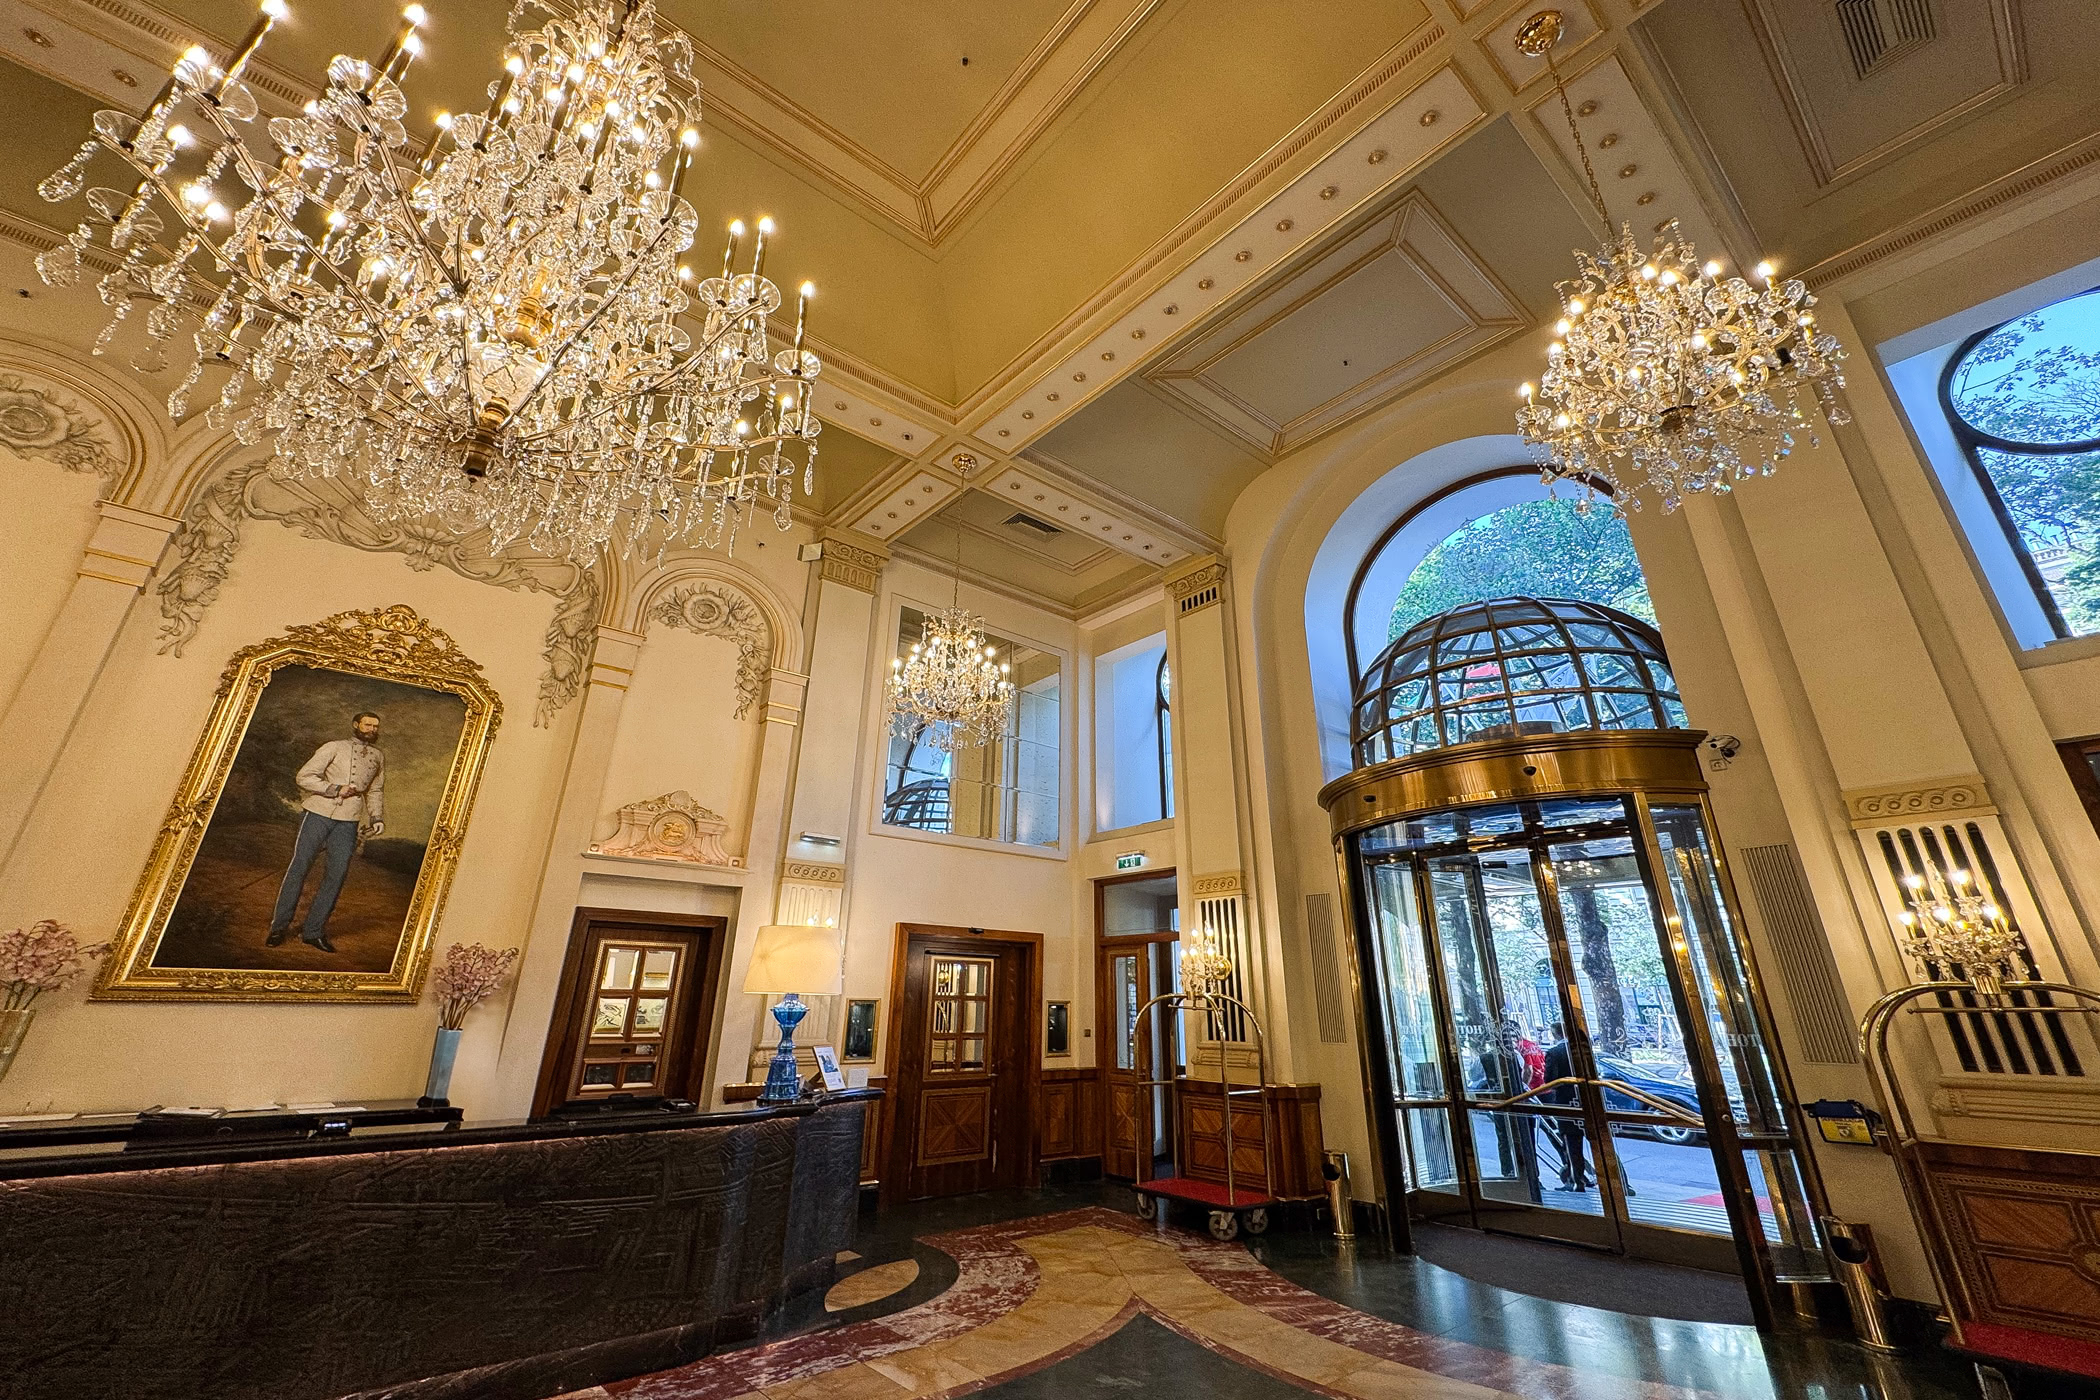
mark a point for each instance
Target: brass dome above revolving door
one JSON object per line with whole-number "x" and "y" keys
{"x": 1562, "y": 1033}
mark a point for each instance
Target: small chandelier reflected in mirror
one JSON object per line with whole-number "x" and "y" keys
{"x": 952, "y": 690}
{"x": 495, "y": 330}
{"x": 1664, "y": 377}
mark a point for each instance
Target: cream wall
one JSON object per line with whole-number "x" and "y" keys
{"x": 81, "y": 854}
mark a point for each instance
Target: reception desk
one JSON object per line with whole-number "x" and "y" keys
{"x": 417, "y": 1260}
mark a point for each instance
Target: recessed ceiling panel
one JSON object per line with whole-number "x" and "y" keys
{"x": 1381, "y": 313}
{"x": 1371, "y": 317}
{"x": 1863, "y": 78}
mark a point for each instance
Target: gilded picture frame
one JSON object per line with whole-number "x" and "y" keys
{"x": 322, "y": 671}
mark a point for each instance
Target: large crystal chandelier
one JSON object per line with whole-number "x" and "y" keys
{"x": 1664, "y": 377}
{"x": 951, "y": 690}
{"x": 494, "y": 329}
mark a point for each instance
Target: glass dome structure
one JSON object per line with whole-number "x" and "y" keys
{"x": 1511, "y": 666}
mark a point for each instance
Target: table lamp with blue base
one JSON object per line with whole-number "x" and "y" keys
{"x": 789, "y": 960}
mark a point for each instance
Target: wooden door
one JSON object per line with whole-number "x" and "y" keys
{"x": 632, "y": 1014}
{"x": 1132, "y": 974}
{"x": 965, "y": 1064}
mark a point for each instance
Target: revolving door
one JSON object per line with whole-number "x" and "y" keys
{"x": 1563, "y": 1036}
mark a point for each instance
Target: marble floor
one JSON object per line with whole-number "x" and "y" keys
{"x": 1065, "y": 1292}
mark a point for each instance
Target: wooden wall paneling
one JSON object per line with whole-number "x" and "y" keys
{"x": 1071, "y": 1114}
{"x": 2023, "y": 1228}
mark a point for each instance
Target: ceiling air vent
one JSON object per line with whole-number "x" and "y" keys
{"x": 1877, "y": 32}
{"x": 1028, "y": 522}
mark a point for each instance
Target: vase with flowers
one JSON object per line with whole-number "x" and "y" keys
{"x": 40, "y": 958}
{"x": 470, "y": 974}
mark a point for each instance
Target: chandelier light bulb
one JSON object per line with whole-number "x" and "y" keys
{"x": 493, "y": 330}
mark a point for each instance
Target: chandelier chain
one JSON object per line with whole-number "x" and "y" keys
{"x": 1581, "y": 149}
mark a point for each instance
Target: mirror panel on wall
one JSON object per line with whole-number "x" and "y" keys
{"x": 1007, "y": 790}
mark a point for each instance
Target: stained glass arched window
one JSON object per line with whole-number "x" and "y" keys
{"x": 2023, "y": 401}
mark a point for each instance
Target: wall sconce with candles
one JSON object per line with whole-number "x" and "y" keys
{"x": 1954, "y": 929}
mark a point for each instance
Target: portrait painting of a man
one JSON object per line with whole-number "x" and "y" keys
{"x": 321, "y": 793}
{"x": 345, "y": 784}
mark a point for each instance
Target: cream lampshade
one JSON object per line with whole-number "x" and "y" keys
{"x": 798, "y": 958}
{"x": 791, "y": 959}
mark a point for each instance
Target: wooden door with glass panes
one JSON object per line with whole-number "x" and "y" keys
{"x": 630, "y": 1018}
{"x": 635, "y": 996}
{"x": 965, "y": 1118}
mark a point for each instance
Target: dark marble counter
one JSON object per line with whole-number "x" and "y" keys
{"x": 416, "y": 1261}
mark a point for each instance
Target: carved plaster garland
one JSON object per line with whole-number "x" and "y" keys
{"x": 36, "y": 423}
{"x": 204, "y": 546}
{"x": 714, "y": 610}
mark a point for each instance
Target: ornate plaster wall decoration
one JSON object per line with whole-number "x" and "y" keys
{"x": 35, "y": 422}
{"x": 1902, "y": 803}
{"x": 203, "y": 550}
{"x": 671, "y": 827}
{"x": 715, "y": 610}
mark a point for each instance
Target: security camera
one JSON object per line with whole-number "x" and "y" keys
{"x": 1725, "y": 747}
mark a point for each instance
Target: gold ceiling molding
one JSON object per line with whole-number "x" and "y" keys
{"x": 1032, "y": 549}
{"x": 1211, "y": 374}
{"x": 1773, "y": 20}
{"x": 1459, "y": 108}
{"x": 1080, "y": 512}
{"x": 2032, "y": 178}
{"x": 142, "y": 35}
{"x": 1901, "y": 804}
{"x": 1084, "y": 39}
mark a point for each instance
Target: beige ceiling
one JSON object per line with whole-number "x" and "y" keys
{"x": 1136, "y": 250}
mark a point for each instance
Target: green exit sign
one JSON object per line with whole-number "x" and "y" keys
{"x": 1130, "y": 860}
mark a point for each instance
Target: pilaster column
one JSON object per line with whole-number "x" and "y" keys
{"x": 39, "y": 720}
{"x": 561, "y": 872}
{"x": 1213, "y": 829}
{"x": 811, "y": 882}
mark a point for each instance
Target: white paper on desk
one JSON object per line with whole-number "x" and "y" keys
{"x": 38, "y": 1117}
{"x": 309, "y": 1107}
{"x": 258, "y": 1108}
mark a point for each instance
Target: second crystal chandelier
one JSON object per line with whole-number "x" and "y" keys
{"x": 1664, "y": 377}
{"x": 495, "y": 330}
{"x": 952, "y": 690}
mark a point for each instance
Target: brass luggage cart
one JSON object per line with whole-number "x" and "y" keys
{"x": 1232, "y": 1207}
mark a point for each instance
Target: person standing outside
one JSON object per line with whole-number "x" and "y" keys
{"x": 345, "y": 787}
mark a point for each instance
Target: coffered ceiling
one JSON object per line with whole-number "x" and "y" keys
{"x": 1135, "y": 251}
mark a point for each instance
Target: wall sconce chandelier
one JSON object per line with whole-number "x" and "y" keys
{"x": 495, "y": 330}
{"x": 1954, "y": 929}
{"x": 1663, "y": 377}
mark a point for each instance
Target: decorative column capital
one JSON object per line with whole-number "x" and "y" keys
{"x": 1195, "y": 583}
{"x": 1900, "y": 804}
{"x": 856, "y": 563}
{"x": 613, "y": 656}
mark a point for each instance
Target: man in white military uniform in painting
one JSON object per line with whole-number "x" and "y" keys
{"x": 345, "y": 787}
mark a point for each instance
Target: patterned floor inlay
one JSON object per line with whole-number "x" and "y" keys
{"x": 871, "y": 1285}
{"x": 1031, "y": 1294}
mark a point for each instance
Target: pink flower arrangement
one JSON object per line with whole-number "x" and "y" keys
{"x": 470, "y": 974}
{"x": 41, "y": 958}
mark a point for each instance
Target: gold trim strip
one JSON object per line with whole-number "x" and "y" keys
{"x": 1503, "y": 770}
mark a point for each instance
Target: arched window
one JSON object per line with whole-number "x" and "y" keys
{"x": 1163, "y": 719}
{"x": 2023, "y": 402}
{"x": 1499, "y": 534}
